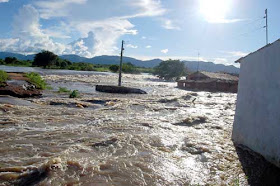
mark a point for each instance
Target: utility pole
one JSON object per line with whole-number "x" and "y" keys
{"x": 120, "y": 70}
{"x": 266, "y": 25}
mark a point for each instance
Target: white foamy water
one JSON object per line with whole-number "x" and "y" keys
{"x": 167, "y": 137}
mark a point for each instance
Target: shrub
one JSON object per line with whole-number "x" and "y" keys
{"x": 11, "y": 60}
{"x": 74, "y": 94}
{"x": 130, "y": 68}
{"x": 63, "y": 90}
{"x": 2, "y": 62}
{"x": 3, "y": 77}
{"x": 36, "y": 79}
{"x": 114, "y": 68}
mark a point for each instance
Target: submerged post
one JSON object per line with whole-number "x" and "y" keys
{"x": 120, "y": 70}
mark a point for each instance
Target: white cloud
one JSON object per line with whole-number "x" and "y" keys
{"x": 143, "y": 37}
{"x": 8, "y": 44}
{"x": 83, "y": 46}
{"x": 224, "y": 21}
{"x": 238, "y": 53}
{"x": 169, "y": 25}
{"x": 60, "y": 31}
{"x": 53, "y": 8}
{"x": 4, "y": 1}
{"x": 148, "y": 46}
{"x": 131, "y": 46}
{"x": 106, "y": 24}
{"x": 165, "y": 51}
{"x": 106, "y": 33}
{"x": 148, "y": 8}
{"x": 28, "y": 36}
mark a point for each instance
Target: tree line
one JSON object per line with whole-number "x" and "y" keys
{"x": 167, "y": 70}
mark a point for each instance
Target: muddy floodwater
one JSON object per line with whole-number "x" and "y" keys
{"x": 167, "y": 137}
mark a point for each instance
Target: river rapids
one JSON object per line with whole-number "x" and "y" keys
{"x": 167, "y": 137}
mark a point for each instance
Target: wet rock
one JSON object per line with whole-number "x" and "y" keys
{"x": 9, "y": 176}
{"x": 10, "y": 101}
{"x": 202, "y": 158}
{"x": 79, "y": 105}
{"x": 71, "y": 105}
{"x": 190, "y": 121}
{"x": 187, "y": 97}
{"x": 194, "y": 94}
{"x": 105, "y": 143}
{"x": 19, "y": 86}
{"x": 7, "y": 122}
{"x": 119, "y": 90}
{"x": 36, "y": 175}
{"x": 147, "y": 125}
{"x": 217, "y": 127}
{"x": 196, "y": 150}
{"x": 19, "y": 91}
{"x": 33, "y": 178}
{"x": 164, "y": 149}
{"x": 168, "y": 100}
{"x": 100, "y": 102}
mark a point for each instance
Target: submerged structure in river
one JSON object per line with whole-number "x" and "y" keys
{"x": 209, "y": 81}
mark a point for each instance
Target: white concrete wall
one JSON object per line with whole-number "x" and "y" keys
{"x": 257, "y": 118}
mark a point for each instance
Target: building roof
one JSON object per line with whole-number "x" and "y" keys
{"x": 220, "y": 76}
{"x": 268, "y": 45}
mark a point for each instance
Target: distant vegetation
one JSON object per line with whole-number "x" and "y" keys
{"x": 114, "y": 68}
{"x": 37, "y": 80}
{"x": 49, "y": 60}
{"x": 170, "y": 70}
{"x": 12, "y": 61}
{"x": 126, "y": 68}
{"x": 3, "y": 77}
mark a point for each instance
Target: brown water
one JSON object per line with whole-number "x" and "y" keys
{"x": 167, "y": 137}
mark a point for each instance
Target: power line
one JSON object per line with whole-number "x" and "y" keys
{"x": 250, "y": 32}
{"x": 253, "y": 21}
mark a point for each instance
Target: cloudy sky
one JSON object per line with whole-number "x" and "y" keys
{"x": 221, "y": 30}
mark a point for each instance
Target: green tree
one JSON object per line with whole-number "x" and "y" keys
{"x": 114, "y": 68}
{"x": 10, "y": 60}
{"x": 2, "y": 62}
{"x": 130, "y": 68}
{"x": 170, "y": 70}
{"x": 45, "y": 58}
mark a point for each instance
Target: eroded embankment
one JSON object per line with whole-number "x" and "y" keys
{"x": 168, "y": 137}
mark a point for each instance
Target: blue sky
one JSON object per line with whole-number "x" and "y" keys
{"x": 221, "y": 30}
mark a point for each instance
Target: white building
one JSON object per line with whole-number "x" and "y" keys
{"x": 257, "y": 118}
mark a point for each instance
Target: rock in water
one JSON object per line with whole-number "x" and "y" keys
{"x": 119, "y": 90}
{"x": 19, "y": 91}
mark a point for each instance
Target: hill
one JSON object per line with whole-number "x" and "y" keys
{"x": 211, "y": 67}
